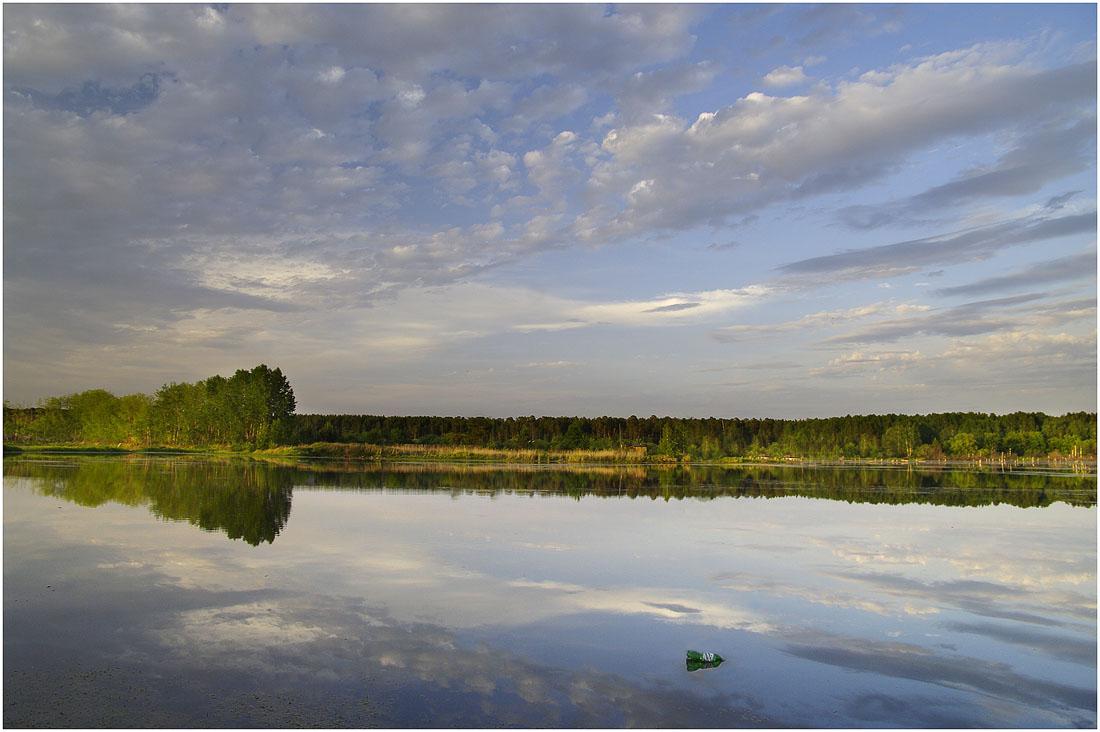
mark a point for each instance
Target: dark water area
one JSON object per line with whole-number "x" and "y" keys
{"x": 202, "y": 592}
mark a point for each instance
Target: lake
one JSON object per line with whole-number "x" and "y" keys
{"x": 207, "y": 592}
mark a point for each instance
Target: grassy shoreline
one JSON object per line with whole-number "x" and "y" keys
{"x": 467, "y": 454}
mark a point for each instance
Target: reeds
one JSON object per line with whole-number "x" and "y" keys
{"x": 466, "y": 452}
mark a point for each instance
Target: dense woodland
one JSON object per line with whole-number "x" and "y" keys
{"x": 930, "y": 436}
{"x": 255, "y": 409}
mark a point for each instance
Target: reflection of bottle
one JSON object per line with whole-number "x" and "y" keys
{"x": 697, "y": 660}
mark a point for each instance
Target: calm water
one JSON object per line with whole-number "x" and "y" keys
{"x": 190, "y": 592}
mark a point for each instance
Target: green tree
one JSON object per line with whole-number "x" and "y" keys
{"x": 173, "y": 416}
{"x": 133, "y": 414}
{"x": 98, "y": 414}
{"x": 259, "y": 404}
{"x": 57, "y": 421}
{"x": 574, "y": 438}
{"x": 963, "y": 444}
{"x": 673, "y": 442}
{"x": 901, "y": 439}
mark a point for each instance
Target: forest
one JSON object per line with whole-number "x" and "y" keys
{"x": 932, "y": 436}
{"x": 255, "y": 409}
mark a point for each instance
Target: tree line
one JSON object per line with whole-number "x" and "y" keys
{"x": 932, "y": 436}
{"x": 256, "y": 409}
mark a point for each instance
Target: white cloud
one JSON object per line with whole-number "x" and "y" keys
{"x": 651, "y": 92}
{"x": 975, "y": 318}
{"x": 785, "y": 76}
{"x": 222, "y": 184}
{"x": 976, "y": 243}
{"x": 762, "y": 149}
{"x": 670, "y": 309}
{"x": 551, "y": 364}
{"x": 816, "y": 321}
{"x": 859, "y": 362}
{"x": 1022, "y": 348}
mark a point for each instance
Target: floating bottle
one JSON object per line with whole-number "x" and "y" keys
{"x": 697, "y": 660}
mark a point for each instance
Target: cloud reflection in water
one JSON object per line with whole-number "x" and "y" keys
{"x": 441, "y": 610}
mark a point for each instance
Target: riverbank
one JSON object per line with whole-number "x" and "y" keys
{"x": 628, "y": 457}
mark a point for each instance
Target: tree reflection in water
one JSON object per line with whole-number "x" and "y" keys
{"x": 250, "y": 499}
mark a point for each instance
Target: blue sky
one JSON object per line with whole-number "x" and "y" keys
{"x": 713, "y": 210}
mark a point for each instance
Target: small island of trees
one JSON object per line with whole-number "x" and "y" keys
{"x": 255, "y": 410}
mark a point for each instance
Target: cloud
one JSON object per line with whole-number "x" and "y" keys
{"x": 979, "y": 597}
{"x": 675, "y": 608}
{"x": 51, "y": 43}
{"x": 669, "y": 309}
{"x": 974, "y": 318}
{"x": 840, "y": 23}
{"x": 785, "y": 76}
{"x": 762, "y": 149}
{"x": 756, "y": 585}
{"x": 651, "y": 92}
{"x": 93, "y": 97}
{"x": 1057, "y": 202}
{"x": 1012, "y": 358}
{"x": 724, "y": 245}
{"x": 239, "y": 182}
{"x": 545, "y": 103}
{"x": 856, "y": 364}
{"x": 674, "y": 308}
{"x": 755, "y": 366}
{"x": 1045, "y": 364}
{"x": 214, "y": 123}
{"x": 399, "y": 329}
{"x": 975, "y": 351}
{"x": 1040, "y": 156}
{"x": 1062, "y": 647}
{"x": 551, "y": 364}
{"x": 912, "y": 662}
{"x": 822, "y": 319}
{"x": 972, "y": 245}
{"x": 1076, "y": 267}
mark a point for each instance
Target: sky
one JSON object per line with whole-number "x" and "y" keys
{"x": 503, "y": 210}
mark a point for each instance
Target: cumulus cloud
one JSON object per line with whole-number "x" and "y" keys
{"x": 219, "y": 183}
{"x": 651, "y": 92}
{"x": 192, "y": 129}
{"x": 762, "y": 149}
{"x": 785, "y": 76}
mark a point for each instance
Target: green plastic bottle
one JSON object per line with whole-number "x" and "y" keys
{"x": 697, "y": 660}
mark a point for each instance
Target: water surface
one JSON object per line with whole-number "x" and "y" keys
{"x": 199, "y": 592}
